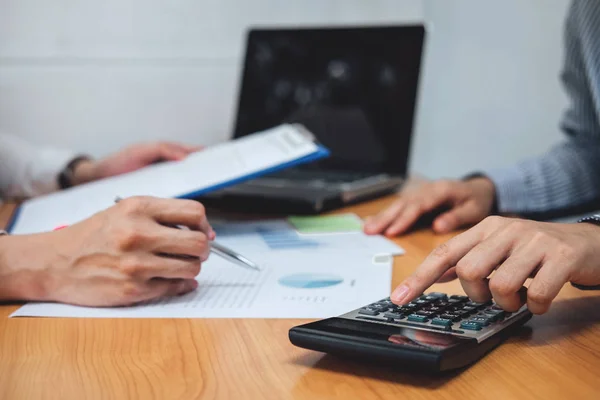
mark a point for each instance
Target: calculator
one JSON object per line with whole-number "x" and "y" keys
{"x": 434, "y": 333}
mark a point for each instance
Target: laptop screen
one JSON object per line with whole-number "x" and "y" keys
{"x": 355, "y": 88}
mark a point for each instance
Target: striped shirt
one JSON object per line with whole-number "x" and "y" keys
{"x": 568, "y": 175}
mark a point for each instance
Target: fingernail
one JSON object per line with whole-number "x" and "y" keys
{"x": 442, "y": 225}
{"x": 187, "y": 286}
{"x": 182, "y": 288}
{"x": 400, "y": 293}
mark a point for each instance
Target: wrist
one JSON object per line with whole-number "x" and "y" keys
{"x": 22, "y": 271}
{"x": 586, "y": 277}
{"x": 85, "y": 171}
{"x": 486, "y": 191}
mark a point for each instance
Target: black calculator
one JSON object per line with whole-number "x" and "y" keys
{"x": 436, "y": 332}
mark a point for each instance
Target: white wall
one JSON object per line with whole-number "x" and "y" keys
{"x": 491, "y": 92}
{"x": 95, "y": 75}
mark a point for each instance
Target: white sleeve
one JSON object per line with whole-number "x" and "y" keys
{"x": 27, "y": 171}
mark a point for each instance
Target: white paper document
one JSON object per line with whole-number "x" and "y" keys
{"x": 278, "y": 236}
{"x": 303, "y": 276}
{"x": 302, "y": 286}
{"x": 214, "y": 167}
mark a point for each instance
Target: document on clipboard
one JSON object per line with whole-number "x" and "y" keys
{"x": 214, "y": 168}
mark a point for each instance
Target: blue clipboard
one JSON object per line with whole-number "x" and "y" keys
{"x": 321, "y": 152}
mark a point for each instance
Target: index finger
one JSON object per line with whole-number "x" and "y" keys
{"x": 184, "y": 148}
{"x": 437, "y": 264}
{"x": 188, "y": 213}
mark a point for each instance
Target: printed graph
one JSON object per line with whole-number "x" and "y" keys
{"x": 310, "y": 281}
{"x": 278, "y": 239}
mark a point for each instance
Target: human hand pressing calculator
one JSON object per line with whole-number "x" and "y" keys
{"x": 435, "y": 332}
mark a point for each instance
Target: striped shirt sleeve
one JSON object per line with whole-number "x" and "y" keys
{"x": 569, "y": 174}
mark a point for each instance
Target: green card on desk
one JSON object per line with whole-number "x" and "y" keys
{"x": 339, "y": 223}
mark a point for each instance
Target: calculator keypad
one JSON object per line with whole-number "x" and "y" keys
{"x": 440, "y": 312}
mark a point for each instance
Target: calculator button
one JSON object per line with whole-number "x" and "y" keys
{"x": 413, "y": 305}
{"x": 393, "y": 315}
{"x": 452, "y": 309}
{"x": 433, "y": 308}
{"x": 460, "y": 313}
{"x": 495, "y": 314}
{"x": 458, "y": 298}
{"x": 422, "y": 302}
{"x": 417, "y": 318}
{"x": 442, "y": 304}
{"x": 368, "y": 311}
{"x": 380, "y": 308}
{"x": 452, "y": 317}
{"x": 426, "y": 313}
{"x": 469, "y": 309}
{"x": 471, "y": 326}
{"x": 442, "y": 321}
{"x": 480, "y": 320}
{"x": 475, "y": 304}
{"x": 438, "y": 295}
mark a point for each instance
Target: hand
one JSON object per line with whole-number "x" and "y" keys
{"x": 496, "y": 257}
{"x": 470, "y": 202}
{"x": 120, "y": 256}
{"x": 131, "y": 159}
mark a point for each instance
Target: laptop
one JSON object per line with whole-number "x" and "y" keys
{"x": 354, "y": 88}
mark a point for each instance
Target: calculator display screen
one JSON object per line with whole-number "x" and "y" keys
{"x": 400, "y": 336}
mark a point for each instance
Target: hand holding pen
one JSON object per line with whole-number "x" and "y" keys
{"x": 216, "y": 248}
{"x": 116, "y": 257}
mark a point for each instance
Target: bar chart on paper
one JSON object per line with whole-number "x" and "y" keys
{"x": 280, "y": 236}
{"x": 278, "y": 239}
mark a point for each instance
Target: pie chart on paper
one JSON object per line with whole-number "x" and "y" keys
{"x": 310, "y": 281}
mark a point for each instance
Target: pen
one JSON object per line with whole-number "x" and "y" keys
{"x": 222, "y": 251}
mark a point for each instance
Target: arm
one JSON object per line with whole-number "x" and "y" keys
{"x": 26, "y": 171}
{"x": 569, "y": 174}
{"x": 566, "y": 176}
{"x": 499, "y": 255}
{"x": 115, "y": 257}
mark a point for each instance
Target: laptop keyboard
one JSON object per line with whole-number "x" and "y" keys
{"x": 326, "y": 176}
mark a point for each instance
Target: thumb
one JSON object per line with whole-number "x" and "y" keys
{"x": 460, "y": 215}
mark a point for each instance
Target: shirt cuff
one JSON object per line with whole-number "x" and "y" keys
{"x": 511, "y": 189}
{"x": 49, "y": 165}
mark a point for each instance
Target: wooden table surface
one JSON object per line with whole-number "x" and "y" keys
{"x": 555, "y": 356}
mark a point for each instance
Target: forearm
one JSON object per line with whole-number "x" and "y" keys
{"x": 566, "y": 176}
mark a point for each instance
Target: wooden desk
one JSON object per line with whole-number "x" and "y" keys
{"x": 556, "y": 356}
